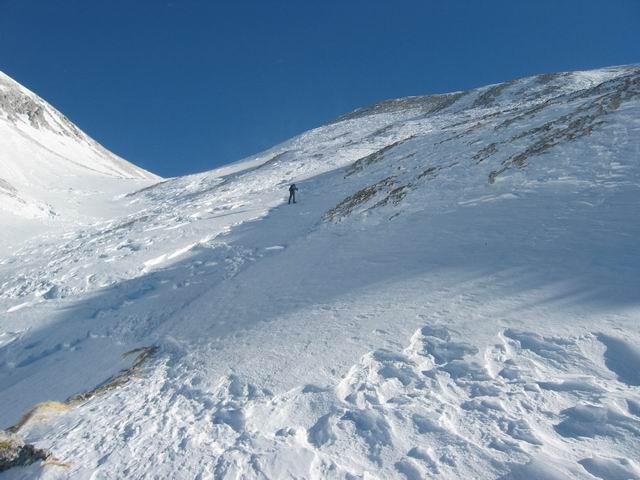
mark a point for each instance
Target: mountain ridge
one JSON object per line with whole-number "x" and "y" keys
{"x": 407, "y": 318}
{"x": 50, "y": 167}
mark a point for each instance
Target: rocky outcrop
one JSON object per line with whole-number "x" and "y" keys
{"x": 14, "y": 452}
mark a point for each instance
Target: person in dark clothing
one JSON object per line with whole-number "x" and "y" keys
{"x": 292, "y": 193}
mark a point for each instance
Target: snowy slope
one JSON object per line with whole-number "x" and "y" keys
{"x": 52, "y": 172}
{"x": 456, "y": 295}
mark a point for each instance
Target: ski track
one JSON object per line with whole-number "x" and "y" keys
{"x": 406, "y": 319}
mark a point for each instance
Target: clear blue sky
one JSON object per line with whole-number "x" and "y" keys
{"x": 181, "y": 86}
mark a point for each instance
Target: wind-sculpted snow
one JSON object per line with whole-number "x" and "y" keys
{"x": 623, "y": 358}
{"x": 549, "y": 123}
{"x": 454, "y": 295}
{"x": 405, "y": 413}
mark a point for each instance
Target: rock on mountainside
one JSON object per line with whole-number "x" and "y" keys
{"x": 50, "y": 168}
{"x": 455, "y": 295}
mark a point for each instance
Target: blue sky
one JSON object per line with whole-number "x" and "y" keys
{"x": 184, "y": 86}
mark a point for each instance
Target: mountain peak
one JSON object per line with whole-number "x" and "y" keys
{"x": 49, "y": 164}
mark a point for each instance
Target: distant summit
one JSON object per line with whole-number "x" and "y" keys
{"x": 51, "y": 168}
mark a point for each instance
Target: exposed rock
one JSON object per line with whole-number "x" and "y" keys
{"x": 426, "y": 105}
{"x": 346, "y": 206}
{"x": 432, "y": 172}
{"x": 14, "y": 452}
{"x": 16, "y": 103}
{"x": 579, "y": 123}
{"x": 143, "y": 354}
{"x": 489, "y": 96}
{"x": 374, "y": 157}
{"x": 485, "y": 153}
{"x": 41, "y": 410}
{"x": 395, "y": 196}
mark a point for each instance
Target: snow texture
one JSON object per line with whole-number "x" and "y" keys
{"x": 53, "y": 175}
{"x": 455, "y": 295}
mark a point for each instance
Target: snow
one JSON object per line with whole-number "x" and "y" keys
{"x": 454, "y": 295}
{"x": 54, "y": 177}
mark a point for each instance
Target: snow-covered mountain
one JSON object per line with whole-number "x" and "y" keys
{"x": 51, "y": 171}
{"x": 455, "y": 295}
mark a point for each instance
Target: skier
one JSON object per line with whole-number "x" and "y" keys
{"x": 292, "y": 193}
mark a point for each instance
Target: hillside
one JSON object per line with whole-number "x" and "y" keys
{"x": 454, "y": 295}
{"x": 53, "y": 174}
